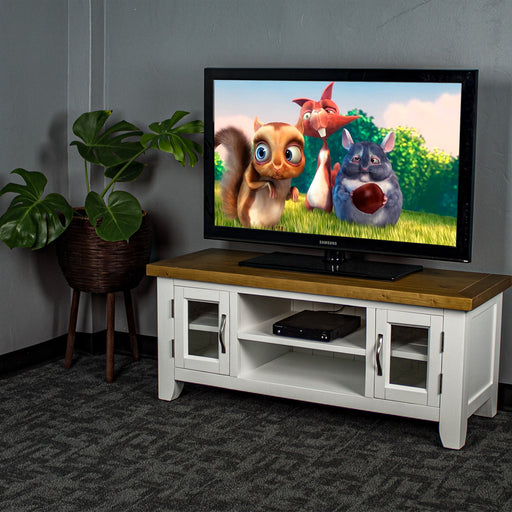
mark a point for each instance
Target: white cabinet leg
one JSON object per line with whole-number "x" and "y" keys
{"x": 452, "y": 431}
{"x": 171, "y": 390}
{"x": 168, "y": 387}
{"x": 453, "y": 410}
{"x": 453, "y": 420}
{"x": 489, "y": 408}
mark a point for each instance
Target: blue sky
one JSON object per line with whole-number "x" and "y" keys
{"x": 432, "y": 108}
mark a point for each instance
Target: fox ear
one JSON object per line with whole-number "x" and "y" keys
{"x": 301, "y": 101}
{"x": 327, "y": 94}
{"x": 257, "y": 124}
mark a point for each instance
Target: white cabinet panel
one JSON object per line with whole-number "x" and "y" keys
{"x": 202, "y": 329}
{"x": 408, "y": 357}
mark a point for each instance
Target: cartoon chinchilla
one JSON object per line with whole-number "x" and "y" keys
{"x": 367, "y": 162}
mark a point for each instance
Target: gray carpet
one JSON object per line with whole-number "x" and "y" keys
{"x": 71, "y": 442}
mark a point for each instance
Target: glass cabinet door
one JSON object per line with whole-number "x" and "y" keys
{"x": 202, "y": 330}
{"x": 408, "y": 357}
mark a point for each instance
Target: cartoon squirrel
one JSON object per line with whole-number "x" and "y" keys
{"x": 366, "y": 176}
{"x": 257, "y": 183}
{"x": 321, "y": 119}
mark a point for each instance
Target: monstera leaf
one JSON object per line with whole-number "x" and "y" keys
{"x": 108, "y": 147}
{"x": 169, "y": 138}
{"x": 32, "y": 221}
{"x": 130, "y": 172}
{"x": 118, "y": 220}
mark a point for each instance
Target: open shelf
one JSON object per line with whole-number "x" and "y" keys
{"x": 260, "y": 312}
{"x": 354, "y": 343}
{"x": 311, "y": 371}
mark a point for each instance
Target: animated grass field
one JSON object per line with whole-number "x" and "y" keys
{"x": 412, "y": 227}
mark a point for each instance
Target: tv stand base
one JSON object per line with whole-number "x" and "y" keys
{"x": 427, "y": 348}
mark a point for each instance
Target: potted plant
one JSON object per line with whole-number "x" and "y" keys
{"x": 34, "y": 222}
{"x": 103, "y": 245}
{"x": 110, "y": 215}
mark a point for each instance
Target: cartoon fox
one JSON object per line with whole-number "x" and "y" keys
{"x": 321, "y": 119}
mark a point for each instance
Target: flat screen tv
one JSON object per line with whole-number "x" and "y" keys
{"x": 355, "y": 162}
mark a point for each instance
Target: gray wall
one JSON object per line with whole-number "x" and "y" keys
{"x": 145, "y": 59}
{"x": 33, "y": 114}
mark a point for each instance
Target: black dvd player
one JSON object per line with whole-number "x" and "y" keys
{"x": 317, "y": 325}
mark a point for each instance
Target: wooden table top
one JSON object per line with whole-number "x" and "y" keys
{"x": 436, "y": 288}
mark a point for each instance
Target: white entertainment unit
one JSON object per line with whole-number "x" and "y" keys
{"x": 428, "y": 346}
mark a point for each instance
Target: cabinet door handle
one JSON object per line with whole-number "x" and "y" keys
{"x": 380, "y": 339}
{"x": 221, "y": 334}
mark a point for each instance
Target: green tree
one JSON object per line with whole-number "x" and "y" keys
{"x": 443, "y": 186}
{"x": 428, "y": 179}
{"x": 219, "y": 167}
{"x": 410, "y": 163}
{"x": 363, "y": 128}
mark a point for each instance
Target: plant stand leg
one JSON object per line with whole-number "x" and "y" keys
{"x": 110, "y": 336}
{"x": 131, "y": 324}
{"x": 68, "y": 359}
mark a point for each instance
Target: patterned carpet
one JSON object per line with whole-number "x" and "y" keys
{"x": 71, "y": 442}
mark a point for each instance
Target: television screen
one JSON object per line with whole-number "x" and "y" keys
{"x": 376, "y": 161}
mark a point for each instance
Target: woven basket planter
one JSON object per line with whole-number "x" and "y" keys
{"x": 93, "y": 265}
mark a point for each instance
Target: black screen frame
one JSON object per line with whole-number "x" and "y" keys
{"x": 461, "y": 252}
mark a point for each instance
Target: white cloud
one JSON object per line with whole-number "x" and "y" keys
{"x": 438, "y": 122}
{"x": 244, "y": 123}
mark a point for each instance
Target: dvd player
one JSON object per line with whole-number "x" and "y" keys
{"x": 317, "y": 325}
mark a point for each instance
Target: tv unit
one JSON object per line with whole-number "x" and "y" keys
{"x": 356, "y": 162}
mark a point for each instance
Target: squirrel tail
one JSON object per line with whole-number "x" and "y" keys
{"x": 236, "y": 161}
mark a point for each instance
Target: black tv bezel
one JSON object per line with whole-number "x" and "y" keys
{"x": 462, "y": 250}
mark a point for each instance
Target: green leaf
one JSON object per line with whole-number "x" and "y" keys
{"x": 118, "y": 220}
{"x": 31, "y": 221}
{"x": 166, "y": 126}
{"x": 192, "y": 149}
{"x": 175, "y": 148}
{"x": 34, "y": 187}
{"x": 85, "y": 152}
{"x": 130, "y": 173}
{"x": 105, "y": 147}
{"x": 89, "y": 124}
{"x": 170, "y": 138}
{"x": 148, "y": 137}
{"x": 190, "y": 127}
{"x": 164, "y": 143}
{"x": 121, "y": 126}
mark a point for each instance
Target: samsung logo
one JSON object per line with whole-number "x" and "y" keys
{"x": 327, "y": 242}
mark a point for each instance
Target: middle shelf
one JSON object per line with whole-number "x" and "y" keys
{"x": 354, "y": 343}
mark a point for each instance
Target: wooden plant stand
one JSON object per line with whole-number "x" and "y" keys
{"x": 110, "y": 330}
